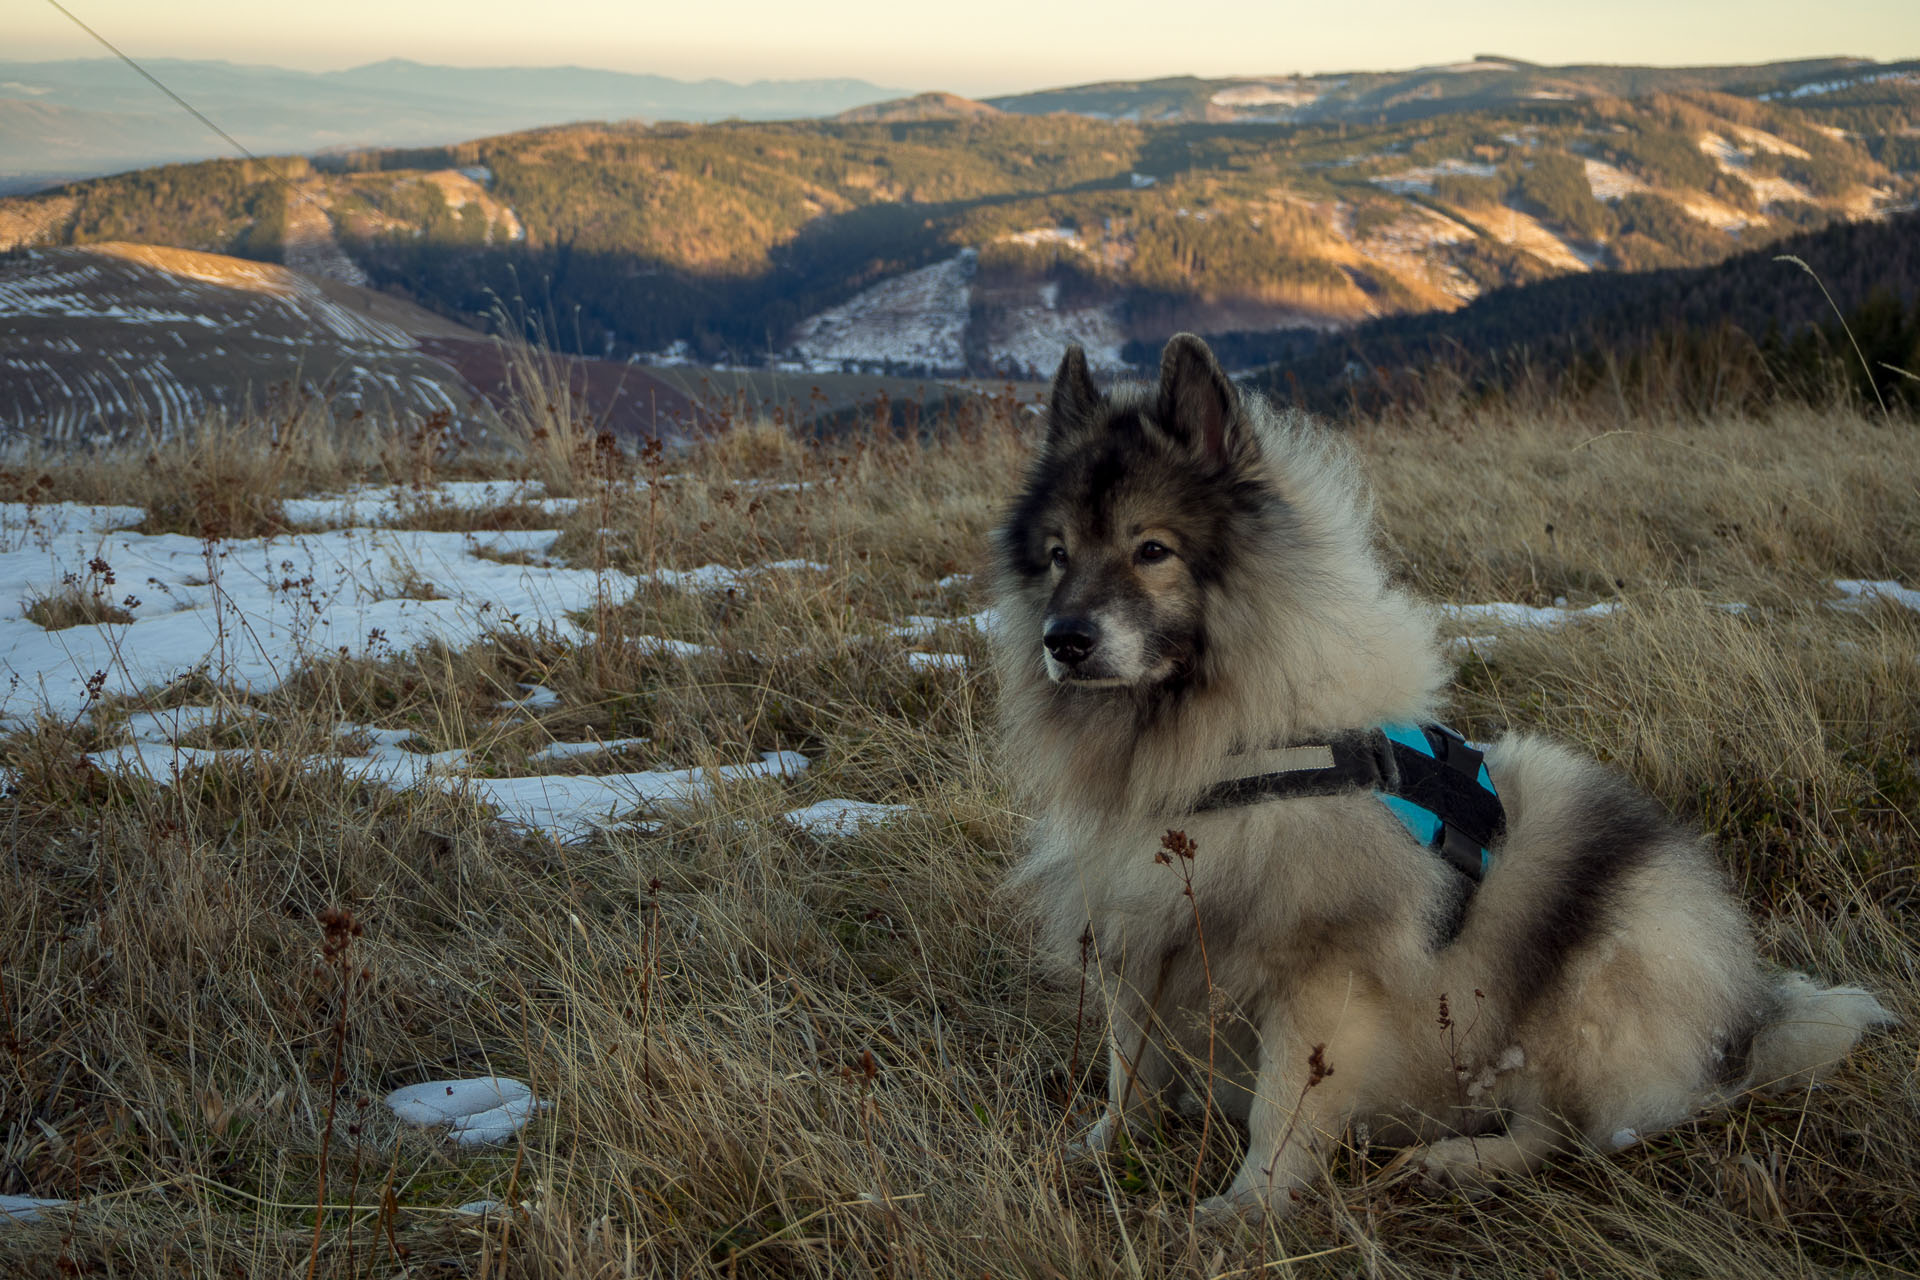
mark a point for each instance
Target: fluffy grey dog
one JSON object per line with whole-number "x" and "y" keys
{"x": 1193, "y": 622}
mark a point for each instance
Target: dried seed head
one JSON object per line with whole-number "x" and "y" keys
{"x": 1317, "y": 1068}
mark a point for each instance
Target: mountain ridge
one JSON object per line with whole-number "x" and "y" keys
{"x": 111, "y": 119}
{"x": 979, "y": 243}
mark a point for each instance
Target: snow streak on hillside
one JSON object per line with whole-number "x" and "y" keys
{"x": 918, "y": 319}
{"x": 1030, "y": 338}
{"x": 928, "y": 320}
{"x": 98, "y": 339}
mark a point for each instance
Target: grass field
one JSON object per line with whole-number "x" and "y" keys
{"x": 774, "y": 1050}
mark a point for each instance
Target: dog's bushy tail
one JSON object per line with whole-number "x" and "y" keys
{"x": 1807, "y": 1031}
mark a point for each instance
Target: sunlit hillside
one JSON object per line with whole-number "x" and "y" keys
{"x": 970, "y": 243}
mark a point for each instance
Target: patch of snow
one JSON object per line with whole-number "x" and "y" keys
{"x": 1266, "y": 94}
{"x": 533, "y": 697}
{"x": 1031, "y": 339}
{"x": 1460, "y": 648}
{"x": 921, "y": 625}
{"x": 1504, "y": 613}
{"x": 842, "y": 817}
{"x": 1507, "y": 614}
{"x": 1610, "y": 183}
{"x": 1065, "y": 236}
{"x": 1820, "y": 87}
{"x": 575, "y": 808}
{"x": 720, "y": 578}
{"x": 937, "y": 661}
{"x": 1736, "y": 160}
{"x": 575, "y": 750}
{"x": 1422, "y": 179}
{"x": 250, "y": 611}
{"x": 23, "y": 522}
{"x": 1523, "y": 231}
{"x": 564, "y": 808}
{"x": 1715, "y": 213}
{"x": 1861, "y": 594}
{"x": 917, "y": 319}
{"x": 1410, "y": 245}
{"x": 173, "y": 723}
{"x": 26, "y": 1208}
{"x": 390, "y": 504}
{"x": 489, "y": 1109}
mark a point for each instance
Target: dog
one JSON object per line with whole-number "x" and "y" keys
{"x": 1190, "y": 607}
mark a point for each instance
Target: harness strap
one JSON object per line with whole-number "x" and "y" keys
{"x": 1345, "y": 763}
{"x": 1428, "y": 775}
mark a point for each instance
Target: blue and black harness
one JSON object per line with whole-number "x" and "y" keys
{"x": 1432, "y": 779}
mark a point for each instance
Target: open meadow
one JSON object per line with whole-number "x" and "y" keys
{"x": 339, "y": 760}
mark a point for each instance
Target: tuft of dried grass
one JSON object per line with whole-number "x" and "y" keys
{"x": 73, "y": 607}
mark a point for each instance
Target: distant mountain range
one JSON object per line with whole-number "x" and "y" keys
{"x": 1387, "y": 97}
{"x": 75, "y": 119}
{"x": 935, "y": 236}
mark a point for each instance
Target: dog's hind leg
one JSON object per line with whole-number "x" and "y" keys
{"x": 1470, "y": 1162}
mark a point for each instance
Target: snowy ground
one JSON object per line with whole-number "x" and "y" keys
{"x": 1610, "y": 182}
{"x": 1422, "y": 179}
{"x": 1032, "y": 337}
{"x": 1733, "y": 158}
{"x": 918, "y": 319}
{"x": 247, "y": 613}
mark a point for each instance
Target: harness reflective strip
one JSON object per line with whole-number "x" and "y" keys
{"x": 1282, "y": 760}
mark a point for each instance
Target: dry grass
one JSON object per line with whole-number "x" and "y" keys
{"x": 773, "y": 1054}
{"x": 72, "y": 607}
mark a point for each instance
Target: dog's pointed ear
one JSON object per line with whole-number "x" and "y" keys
{"x": 1071, "y": 405}
{"x": 1197, "y": 403}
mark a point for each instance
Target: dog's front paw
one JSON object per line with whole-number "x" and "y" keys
{"x": 1095, "y": 1140}
{"x": 1222, "y": 1210}
{"x": 1240, "y": 1206}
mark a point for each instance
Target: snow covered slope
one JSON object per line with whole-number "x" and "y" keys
{"x": 108, "y": 336}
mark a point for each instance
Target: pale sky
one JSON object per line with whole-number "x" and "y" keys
{"x": 979, "y": 48}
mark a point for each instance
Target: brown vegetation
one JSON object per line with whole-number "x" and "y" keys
{"x": 778, "y": 1054}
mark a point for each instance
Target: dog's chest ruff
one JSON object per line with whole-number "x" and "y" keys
{"x": 1432, "y": 780}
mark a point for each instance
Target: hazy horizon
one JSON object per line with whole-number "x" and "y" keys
{"x": 994, "y": 47}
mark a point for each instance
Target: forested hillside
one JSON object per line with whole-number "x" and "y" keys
{"x": 1837, "y": 307}
{"x": 736, "y": 239}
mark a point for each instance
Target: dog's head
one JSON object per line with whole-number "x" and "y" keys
{"x": 1132, "y": 511}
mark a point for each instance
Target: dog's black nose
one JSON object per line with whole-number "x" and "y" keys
{"x": 1069, "y": 640}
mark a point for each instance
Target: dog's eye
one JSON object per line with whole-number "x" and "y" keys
{"x": 1059, "y": 557}
{"x": 1153, "y": 552}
